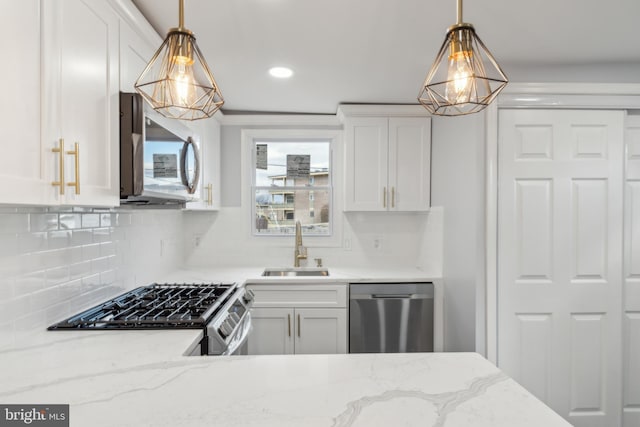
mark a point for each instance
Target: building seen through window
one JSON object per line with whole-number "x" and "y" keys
{"x": 292, "y": 183}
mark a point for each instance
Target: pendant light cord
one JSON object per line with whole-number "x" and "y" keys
{"x": 181, "y": 15}
{"x": 459, "y": 9}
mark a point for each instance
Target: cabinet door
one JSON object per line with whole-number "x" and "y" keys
{"x": 272, "y": 331}
{"x": 409, "y": 163}
{"x": 366, "y": 144}
{"x": 23, "y": 179}
{"x": 320, "y": 330}
{"x": 209, "y": 185}
{"x": 135, "y": 54}
{"x": 80, "y": 54}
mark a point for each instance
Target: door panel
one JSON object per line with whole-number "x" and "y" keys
{"x": 409, "y": 163}
{"x": 321, "y": 331}
{"x": 366, "y": 163}
{"x": 559, "y": 251}
{"x": 272, "y": 331}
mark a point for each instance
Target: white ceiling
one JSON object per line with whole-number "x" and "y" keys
{"x": 379, "y": 51}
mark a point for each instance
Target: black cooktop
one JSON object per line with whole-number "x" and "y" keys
{"x": 156, "y": 306}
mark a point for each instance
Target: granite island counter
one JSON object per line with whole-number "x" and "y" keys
{"x": 139, "y": 378}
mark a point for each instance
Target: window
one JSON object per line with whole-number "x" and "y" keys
{"x": 291, "y": 180}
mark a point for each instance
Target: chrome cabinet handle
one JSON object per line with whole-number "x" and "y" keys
{"x": 75, "y": 152}
{"x": 60, "y": 181}
{"x": 298, "y": 326}
{"x": 289, "y": 323}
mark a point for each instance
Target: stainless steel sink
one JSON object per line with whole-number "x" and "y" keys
{"x": 296, "y": 272}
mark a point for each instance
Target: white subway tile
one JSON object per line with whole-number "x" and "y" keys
{"x": 79, "y": 270}
{"x": 56, "y": 276}
{"x": 59, "y": 239}
{"x": 32, "y": 242}
{"x": 106, "y": 219}
{"x": 70, "y": 221}
{"x": 29, "y": 283}
{"x": 107, "y": 277}
{"x": 99, "y": 264}
{"x": 90, "y": 220}
{"x": 43, "y": 222}
{"x": 101, "y": 235}
{"x": 14, "y": 223}
{"x": 107, "y": 249}
{"x": 8, "y": 244}
{"x": 57, "y": 312}
{"x": 90, "y": 252}
{"x": 10, "y": 266}
{"x": 6, "y": 287}
{"x": 81, "y": 237}
{"x": 31, "y": 321}
{"x": 69, "y": 290}
{"x": 6, "y": 335}
{"x": 41, "y": 301}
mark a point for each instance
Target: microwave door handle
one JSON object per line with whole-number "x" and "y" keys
{"x": 184, "y": 173}
{"x": 137, "y": 116}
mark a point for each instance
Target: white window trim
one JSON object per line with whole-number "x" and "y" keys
{"x": 248, "y": 138}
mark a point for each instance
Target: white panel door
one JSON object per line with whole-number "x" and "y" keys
{"x": 321, "y": 330}
{"x": 631, "y": 346}
{"x": 409, "y": 163}
{"x": 272, "y": 331}
{"x": 559, "y": 252}
{"x": 366, "y": 145}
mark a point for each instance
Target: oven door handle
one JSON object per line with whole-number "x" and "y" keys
{"x": 238, "y": 341}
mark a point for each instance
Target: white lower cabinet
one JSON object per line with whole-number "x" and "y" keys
{"x": 298, "y": 319}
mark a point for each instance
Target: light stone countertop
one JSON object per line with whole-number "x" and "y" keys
{"x": 141, "y": 378}
{"x": 132, "y": 378}
{"x": 338, "y": 274}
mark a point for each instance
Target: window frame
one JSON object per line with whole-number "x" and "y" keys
{"x": 249, "y": 138}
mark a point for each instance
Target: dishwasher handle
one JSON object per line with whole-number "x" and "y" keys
{"x": 393, "y": 296}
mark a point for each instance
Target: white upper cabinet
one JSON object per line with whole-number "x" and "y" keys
{"x": 136, "y": 51}
{"x": 209, "y": 185}
{"x": 387, "y": 163}
{"x": 80, "y": 105}
{"x": 23, "y": 154}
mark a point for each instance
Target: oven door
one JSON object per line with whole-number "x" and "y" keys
{"x": 238, "y": 345}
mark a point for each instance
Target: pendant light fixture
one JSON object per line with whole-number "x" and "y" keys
{"x": 465, "y": 77}
{"x": 177, "y": 82}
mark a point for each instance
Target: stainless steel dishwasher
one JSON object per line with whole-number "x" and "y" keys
{"x": 390, "y": 317}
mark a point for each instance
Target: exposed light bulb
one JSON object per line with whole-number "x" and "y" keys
{"x": 459, "y": 78}
{"x": 183, "y": 81}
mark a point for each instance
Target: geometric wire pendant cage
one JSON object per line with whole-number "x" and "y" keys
{"x": 465, "y": 76}
{"x": 177, "y": 82}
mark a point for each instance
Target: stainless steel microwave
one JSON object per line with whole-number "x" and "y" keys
{"x": 159, "y": 157}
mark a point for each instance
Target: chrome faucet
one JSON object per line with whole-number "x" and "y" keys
{"x": 300, "y": 251}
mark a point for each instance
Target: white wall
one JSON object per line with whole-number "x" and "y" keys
{"x": 403, "y": 239}
{"x": 457, "y": 184}
{"x": 56, "y": 262}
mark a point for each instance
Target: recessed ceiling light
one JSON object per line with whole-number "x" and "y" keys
{"x": 281, "y": 72}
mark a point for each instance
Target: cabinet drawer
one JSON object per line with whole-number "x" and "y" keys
{"x": 296, "y": 295}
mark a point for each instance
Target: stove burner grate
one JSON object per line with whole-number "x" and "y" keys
{"x": 156, "y": 306}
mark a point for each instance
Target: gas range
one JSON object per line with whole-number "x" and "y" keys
{"x": 221, "y": 310}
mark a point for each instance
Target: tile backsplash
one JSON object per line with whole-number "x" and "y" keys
{"x": 57, "y": 261}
